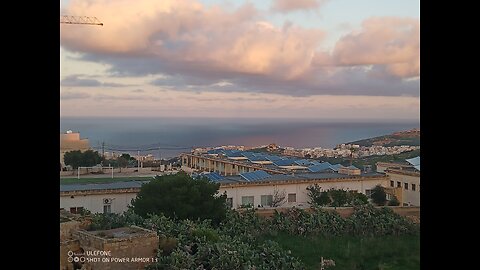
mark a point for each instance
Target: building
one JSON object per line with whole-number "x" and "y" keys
{"x": 261, "y": 192}
{"x": 70, "y": 141}
{"x": 405, "y": 177}
{"x": 252, "y": 178}
{"x": 99, "y": 198}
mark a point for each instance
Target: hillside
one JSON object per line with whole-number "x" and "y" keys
{"x": 409, "y": 137}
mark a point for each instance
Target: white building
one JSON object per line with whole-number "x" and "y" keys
{"x": 99, "y": 198}
{"x": 260, "y": 193}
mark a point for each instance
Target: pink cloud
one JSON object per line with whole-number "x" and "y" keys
{"x": 292, "y": 5}
{"x": 393, "y": 42}
{"x": 193, "y": 34}
{"x": 186, "y": 39}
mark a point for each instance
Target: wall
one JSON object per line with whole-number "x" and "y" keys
{"x": 143, "y": 246}
{"x": 107, "y": 172}
{"x": 65, "y": 247}
{"x": 94, "y": 202}
{"x": 300, "y": 189}
{"x": 66, "y": 229}
{"x": 409, "y": 196}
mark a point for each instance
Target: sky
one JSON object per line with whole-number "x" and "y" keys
{"x": 319, "y": 59}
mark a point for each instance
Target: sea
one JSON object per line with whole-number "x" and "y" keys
{"x": 168, "y": 137}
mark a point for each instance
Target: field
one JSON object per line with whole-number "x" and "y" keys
{"x": 70, "y": 181}
{"x": 355, "y": 253}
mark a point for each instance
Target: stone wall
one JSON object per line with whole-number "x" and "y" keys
{"x": 128, "y": 253}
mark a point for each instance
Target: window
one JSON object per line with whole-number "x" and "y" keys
{"x": 392, "y": 184}
{"x": 368, "y": 192}
{"x": 388, "y": 196}
{"x": 266, "y": 200}
{"x": 292, "y": 197}
{"x": 414, "y": 187}
{"x": 406, "y": 186}
{"x": 399, "y": 184}
{"x": 107, "y": 208}
{"x": 76, "y": 210}
{"x": 230, "y": 202}
{"x": 247, "y": 200}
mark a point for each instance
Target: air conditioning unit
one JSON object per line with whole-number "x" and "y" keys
{"x": 107, "y": 201}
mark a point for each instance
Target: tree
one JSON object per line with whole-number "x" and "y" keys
{"x": 122, "y": 162}
{"x": 278, "y": 198}
{"x": 314, "y": 192}
{"x": 379, "y": 197}
{"x": 339, "y": 197}
{"x": 78, "y": 159}
{"x": 180, "y": 196}
{"x": 394, "y": 201}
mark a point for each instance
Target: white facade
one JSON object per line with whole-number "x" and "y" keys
{"x": 409, "y": 182}
{"x": 296, "y": 191}
{"x": 98, "y": 203}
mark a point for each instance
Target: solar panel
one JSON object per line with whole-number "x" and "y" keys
{"x": 273, "y": 158}
{"x": 284, "y": 162}
{"x": 320, "y": 167}
{"x": 255, "y": 176}
{"x": 302, "y": 162}
{"x": 254, "y": 158}
{"x": 214, "y": 176}
{"x": 335, "y": 167}
{"x": 314, "y": 162}
{"x": 232, "y": 153}
{"x": 215, "y": 151}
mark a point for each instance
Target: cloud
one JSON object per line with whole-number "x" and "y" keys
{"x": 100, "y": 97}
{"x": 285, "y": 6}
{"x": 191, "y": 47}
{"x": 74, "y": 80}
{"x": 138, "y": 91}
{"x": 74, "y": 95}
{"x": 393, "y": 43}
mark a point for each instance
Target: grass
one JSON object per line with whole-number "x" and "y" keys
{"x": 71, "y": 181}
{"x": 354, "y": 253}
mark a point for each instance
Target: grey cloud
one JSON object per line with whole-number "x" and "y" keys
{"x": 138, "y": 91}
{"x": 75, "y": 80}
{"x": 129, "y": 97}
{"x": 74, "y": 95}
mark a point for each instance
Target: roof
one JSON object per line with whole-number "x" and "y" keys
{"x": 299, "y": 177}
{"x": 255, "y": 176}
{"x": 320, "y": 167}
{"x": 284, "y": 162}
{"x": 103, "y": 186}
{"x": 415, "y": 162}
{"x": 213, "y": 176}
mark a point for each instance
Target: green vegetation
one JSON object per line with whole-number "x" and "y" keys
{"x": 82, "y": 159}
{"x": 372, "y": 160}
{"x": 353, "y": 252}
{"x": 371, "y": 238}
{"x": 379, "y": 197}
{"x": 180, "y": 196}
{"x": 334, "y": 197}
{"x": 71, "y": 181}
{"x": 401, "y": 138}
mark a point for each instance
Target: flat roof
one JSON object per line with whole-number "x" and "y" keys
{"x": 102, "y": 186}
{"x": 299, "y": 177}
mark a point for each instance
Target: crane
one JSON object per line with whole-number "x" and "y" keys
{"x": 68, "y": 19}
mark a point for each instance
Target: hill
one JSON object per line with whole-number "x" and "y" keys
{"x": 409, "y": 137}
